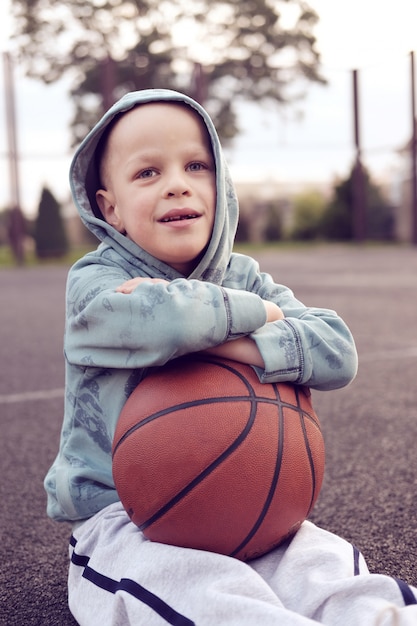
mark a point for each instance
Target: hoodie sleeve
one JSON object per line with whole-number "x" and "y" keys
{"x": 311, "y": 346}
{"x": 155, "y": 323}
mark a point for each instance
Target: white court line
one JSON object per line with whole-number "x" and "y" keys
{"x": 49, "y": 394}
{"x": 28, "y": 396}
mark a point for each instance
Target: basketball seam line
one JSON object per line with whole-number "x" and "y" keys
{"x": 202, "y": 402}
{"x": 281, "y": 431}
{"x": 206, "y": 472}
{"x": 274, "y": 480}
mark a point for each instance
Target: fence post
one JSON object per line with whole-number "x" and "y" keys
{"x": 413, "y": 149}
{"x": 16, "y": 221}
{"x": 358, "y": 179}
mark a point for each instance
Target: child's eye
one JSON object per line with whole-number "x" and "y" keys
{"x": 197, "y": 166}
{"x": 148, "y": 173}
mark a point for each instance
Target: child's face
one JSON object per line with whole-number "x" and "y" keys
{"x": 159, "y": 177}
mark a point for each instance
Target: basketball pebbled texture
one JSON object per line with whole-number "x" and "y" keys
{"x": 207, "y": 457}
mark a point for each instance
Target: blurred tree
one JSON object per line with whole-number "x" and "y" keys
{"x": 17, "y": 232}
{"x": 337, "y": 220}
{"x": 218, "y": 51}
{"x": 243, "y": 229}
{"x": 274, "y": 224}
{"x": 308, "y": 211}
{"x": 49, "y": 231}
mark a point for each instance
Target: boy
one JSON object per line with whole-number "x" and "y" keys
{"x": 150, "y": 181}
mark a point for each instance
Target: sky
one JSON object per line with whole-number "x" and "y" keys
{"x": 309, "y": 143}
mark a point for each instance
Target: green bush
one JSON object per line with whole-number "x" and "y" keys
{"x": 308, "y": 212}
{"x": 273, "y": 228}
{"x": 338, "y": 218}
{"x": 49, "y": 230}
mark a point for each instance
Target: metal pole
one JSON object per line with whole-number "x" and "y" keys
{"x": 358, "y": 179}
{"x": 108, "y": 82}
{"x": 11, "y": 130}
{"x": 198, "y": 86}
{"x": 413, "y": 149}
{"x": 16, "y": 220}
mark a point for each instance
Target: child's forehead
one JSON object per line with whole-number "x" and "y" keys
{"x": 151, "y": 113}
{"x": 151, "y": 117}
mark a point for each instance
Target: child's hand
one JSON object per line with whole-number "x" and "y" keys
{"x": 273, "y": 312}
{"x": 243, "y": 350}
{"x": 130, "y": 285}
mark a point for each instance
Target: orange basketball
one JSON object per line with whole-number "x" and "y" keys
{"x": 207, "y": 457}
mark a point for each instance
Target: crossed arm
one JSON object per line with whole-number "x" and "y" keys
{"x": 243, "y": 349}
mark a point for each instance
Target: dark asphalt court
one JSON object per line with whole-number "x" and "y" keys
{"x": 370, "y": 489}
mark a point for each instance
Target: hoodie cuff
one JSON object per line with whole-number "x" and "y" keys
{"x": 245, "y": 311}
{"x": 281, "y": 350}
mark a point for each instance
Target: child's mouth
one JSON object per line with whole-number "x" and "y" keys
{"x": 179, "y": 218}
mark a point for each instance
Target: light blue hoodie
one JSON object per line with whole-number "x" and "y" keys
{"x": 112, "y": 338}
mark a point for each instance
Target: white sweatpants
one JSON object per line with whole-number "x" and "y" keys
{"x": 119, "y": 578}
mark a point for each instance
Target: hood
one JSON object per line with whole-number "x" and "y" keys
{"x": 84, "y": 183}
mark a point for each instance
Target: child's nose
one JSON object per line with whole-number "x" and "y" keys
{"x": 177, "y": 184}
